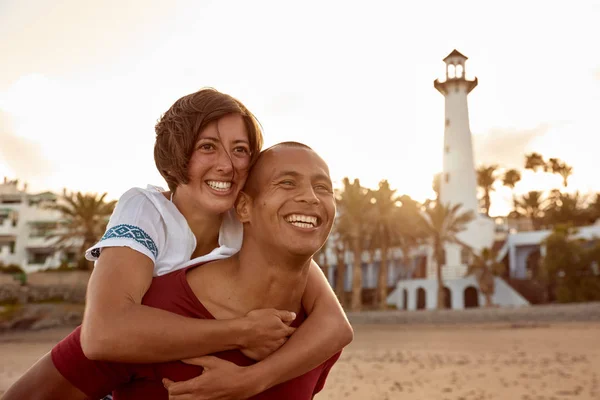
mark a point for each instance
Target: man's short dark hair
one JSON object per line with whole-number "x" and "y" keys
{"x": 251, "y": 184}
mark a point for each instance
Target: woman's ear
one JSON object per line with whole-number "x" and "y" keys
{"x": 242, "y": 207}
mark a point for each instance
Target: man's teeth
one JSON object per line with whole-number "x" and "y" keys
{"x": 219, "y": 185}
{"x": 302, "y": 221}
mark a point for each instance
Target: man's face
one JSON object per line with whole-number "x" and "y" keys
{"x": 293, "y": 206}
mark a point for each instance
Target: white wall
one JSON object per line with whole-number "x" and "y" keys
{"x": 504, "y": 294}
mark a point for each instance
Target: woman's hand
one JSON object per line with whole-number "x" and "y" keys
{"x": 220, "y": 380}
{"x": 268, "y": 329}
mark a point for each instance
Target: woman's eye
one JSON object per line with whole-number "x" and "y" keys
{"x": 241, "y": 150}
{"x": 206, "y": 147}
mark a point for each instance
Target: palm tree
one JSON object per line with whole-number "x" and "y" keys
{"x": 485, "y": 268}
{"x": 354, "y": 203}
{"x": 409, "y": 232}
{"x": 442, "y": 224}
{"x": 84, "y": 221}
{"x": 486, "y": 177}
{"x": 384, "y": 230}
{"x": 510, "y": 179}
{"x": 593, "y": 209}
{"x": 535, "y": 162}
{"x": 566, "y": 208}
{"x": 436, "y": 185}
{"x": 371, "y": 244}
{"x": 531, "y": 205}
{"x": 556, "y": 166}
{"x": 321, "y": 258}
{"x": 340, "y": 270}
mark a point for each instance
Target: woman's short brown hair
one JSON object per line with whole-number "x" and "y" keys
{"x": 178, "y": 129}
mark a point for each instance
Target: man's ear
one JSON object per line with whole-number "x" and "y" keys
{"x": 242, "y": 207}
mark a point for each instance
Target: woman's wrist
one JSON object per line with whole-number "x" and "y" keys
{"x": 257, "y": 378}
{"x": 240, "y": 330}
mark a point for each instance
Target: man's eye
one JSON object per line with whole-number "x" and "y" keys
{"x": 324, "y": 188}
{"x": 287, "y": 183}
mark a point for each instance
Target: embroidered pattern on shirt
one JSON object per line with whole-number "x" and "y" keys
{"x": 132, "y": 232}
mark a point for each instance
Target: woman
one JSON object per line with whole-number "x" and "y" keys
{"x": 205, "y": 145}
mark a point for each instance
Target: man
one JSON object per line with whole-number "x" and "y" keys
{"x": 287, "y": 209}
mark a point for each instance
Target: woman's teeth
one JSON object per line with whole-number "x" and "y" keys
{"x": 219, "y": 185}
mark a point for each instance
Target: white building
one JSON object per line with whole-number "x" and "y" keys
{"x": 459, "y": 180}
{"x": 24, "y": 227}
{"x": 458, "y": 186}
{"x": 519, "y": 246}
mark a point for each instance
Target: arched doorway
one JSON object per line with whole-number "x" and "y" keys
{"x": 533, "y": 264}
{"x": 421, "y": 299}
{"x": 447, "y": 298}
{"x": 471, "y": 297}
{"x": 404, "y": 299}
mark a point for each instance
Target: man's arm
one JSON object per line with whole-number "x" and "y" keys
{"x": 43, "y": 382}
{"x": 118, "y": 327}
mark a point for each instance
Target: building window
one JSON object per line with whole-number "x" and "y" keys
{"x": 465, "y": 256}
{"x": 37, "y": 258}
{"x": 451, "y": 71}
{"x": 447, "y": 177}
{"x": 42, "y": 229}
{"x": 12, "y": 247}
{"x": 443, "y": 257}
{"x": 11, "y": 201}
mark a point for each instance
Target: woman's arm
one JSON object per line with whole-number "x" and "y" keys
{"x": 325, "y": 332}
{"x": 117, "y": 327}
{"x": 43, "y": 382}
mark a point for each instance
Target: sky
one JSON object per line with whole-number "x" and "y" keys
{"x": 82, "y": 84}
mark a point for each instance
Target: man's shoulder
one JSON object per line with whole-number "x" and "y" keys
{"x": 172, "y": 292}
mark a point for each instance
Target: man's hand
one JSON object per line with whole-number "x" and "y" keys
{"x": 268, "y": 330}
{"x": 221, "y": 380}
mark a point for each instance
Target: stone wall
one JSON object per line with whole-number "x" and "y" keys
{"x": 39, "y": 316}
{"x": 6, "y": 279}
{"x": 579, "y": 312}
{"x": 73, "y": 278}
{"x": 42, "y": 287}
{"x": 40, "y": 294}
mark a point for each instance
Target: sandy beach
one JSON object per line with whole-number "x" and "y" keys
{"x": 486, "y": 361}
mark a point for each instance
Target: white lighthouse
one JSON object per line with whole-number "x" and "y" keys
{"x": 458, "y": 186}
{"x": 459, "y": 181}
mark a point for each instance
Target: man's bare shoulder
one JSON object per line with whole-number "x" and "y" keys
{"x": 212, "y": 285}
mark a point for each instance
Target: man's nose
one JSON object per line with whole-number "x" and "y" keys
{"x": 307, "y": 195}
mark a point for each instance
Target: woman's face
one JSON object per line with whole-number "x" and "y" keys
{"x": 219, "y": 165}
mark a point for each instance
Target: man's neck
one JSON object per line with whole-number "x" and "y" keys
{"x": 252, "y": 279}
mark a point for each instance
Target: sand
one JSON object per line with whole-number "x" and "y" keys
{"x": 559, "y": 361}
